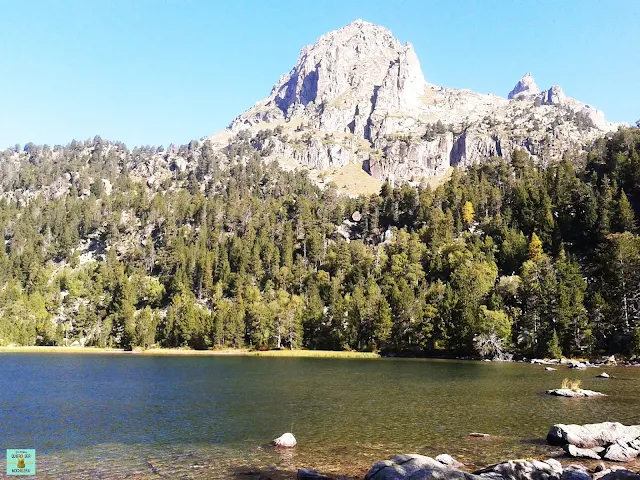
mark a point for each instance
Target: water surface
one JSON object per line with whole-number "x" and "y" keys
{"x": 109, "y": 416}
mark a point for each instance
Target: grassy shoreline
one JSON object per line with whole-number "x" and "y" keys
{"x": 182, "y": 352}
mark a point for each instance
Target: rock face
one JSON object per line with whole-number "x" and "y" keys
{"x": 286, "y": 440}
{"x": 359, "y": 96}
{"x": 526, "y": 86}
{"x": 609, "y": 440}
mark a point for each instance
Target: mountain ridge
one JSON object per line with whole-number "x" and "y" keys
{"x": 358, "y": 95}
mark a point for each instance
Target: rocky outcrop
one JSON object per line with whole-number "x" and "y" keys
{"x": 526, "y": 86}
{"x": 553, "y": 96}
{"x": 359, "y": 96}
{"x": 609, "y": 440}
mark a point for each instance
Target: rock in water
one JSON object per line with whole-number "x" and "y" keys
{"x": 603, "y": 375}
{"x": 591, "y": 435}
{"x": 577, "y": 365}
{"x": 526, "y": 86}
{"x": 286, "y": 440}
{"x": 566, "y": 392}
{"x": 550, "y": 369}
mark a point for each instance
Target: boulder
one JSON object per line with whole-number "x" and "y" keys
{"x": 286, "y": 440}
{"x": 550, "y": 369}
{"x": 549, "y": 469}
{"x": 604, "y": 375}
{"x": 566, "y": 392}
{"x": 591, "y": 435}
{"x": 405, "y": 466}
{"x": 479, "y": 435}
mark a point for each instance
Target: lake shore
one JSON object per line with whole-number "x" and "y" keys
{"x": 186, "y": 351}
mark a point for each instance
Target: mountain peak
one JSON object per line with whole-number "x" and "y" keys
{"x": 343, "y": 77}
{"x": 525, "y": 86}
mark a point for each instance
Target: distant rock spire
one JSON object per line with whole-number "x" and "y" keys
{"x": 525, "y": 87}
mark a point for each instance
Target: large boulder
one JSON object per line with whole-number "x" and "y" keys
{"x": 415, "y": 467}
{"x": 609, "y": 441}
{"x": 591, "y": 435}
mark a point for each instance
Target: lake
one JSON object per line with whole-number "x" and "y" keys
{"x": 109, "y": 416}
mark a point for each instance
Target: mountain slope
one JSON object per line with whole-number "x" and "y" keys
{"x": 359, "y": 96}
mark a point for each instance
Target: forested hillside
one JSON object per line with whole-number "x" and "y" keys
{"x": 227, "y": 251}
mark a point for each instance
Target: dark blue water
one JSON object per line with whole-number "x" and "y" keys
{"x": 110, "y": 416}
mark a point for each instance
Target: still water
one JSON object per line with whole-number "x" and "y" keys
{"x": 131, "y": 416}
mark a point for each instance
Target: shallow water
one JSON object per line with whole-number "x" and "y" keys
{"x": 110, "y": 416}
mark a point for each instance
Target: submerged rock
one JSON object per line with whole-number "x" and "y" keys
{"x": 566, "y": 392}
{"x": 286, "y": 440}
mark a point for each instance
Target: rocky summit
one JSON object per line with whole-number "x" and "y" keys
{"x": 359, "y": 96}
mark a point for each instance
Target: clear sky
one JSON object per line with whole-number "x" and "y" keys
{"x": 161, "y": 71}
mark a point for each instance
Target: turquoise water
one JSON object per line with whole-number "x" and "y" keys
{"x": 118, "y": 416}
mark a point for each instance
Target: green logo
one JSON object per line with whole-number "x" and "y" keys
{"x": 21, "y": 462}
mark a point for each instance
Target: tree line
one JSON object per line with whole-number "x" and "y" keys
{"x": 505, "y": 258}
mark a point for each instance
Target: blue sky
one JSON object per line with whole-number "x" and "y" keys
{"x": 155, "y": 72}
